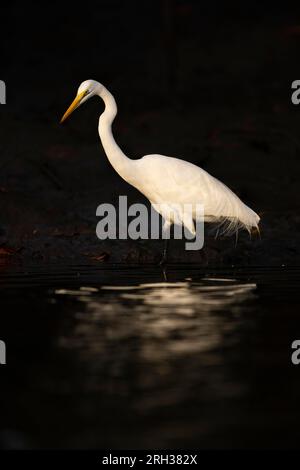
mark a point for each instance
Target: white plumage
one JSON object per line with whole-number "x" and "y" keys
{"x": 186, "y": 183}
{"x": 167, "y": 180}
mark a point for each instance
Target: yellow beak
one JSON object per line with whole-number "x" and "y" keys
{"x": 73, "y": 106}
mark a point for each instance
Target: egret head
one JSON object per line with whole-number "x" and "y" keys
{"x": 86, "y": 90}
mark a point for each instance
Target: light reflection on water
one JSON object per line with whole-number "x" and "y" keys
{"x": 114, "y": 359}
{"x": 167, "y": 318}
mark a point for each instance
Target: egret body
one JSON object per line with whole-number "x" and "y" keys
{"x": 168, "y": 183}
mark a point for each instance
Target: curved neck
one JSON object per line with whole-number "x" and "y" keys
{"x": 117, "y": 158}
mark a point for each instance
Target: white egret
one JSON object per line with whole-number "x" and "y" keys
{"x": 166, "y": 181}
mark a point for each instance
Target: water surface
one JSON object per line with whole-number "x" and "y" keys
{"x": 133, "y": 358}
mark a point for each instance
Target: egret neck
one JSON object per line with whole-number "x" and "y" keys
{"x": 119, "y": 161}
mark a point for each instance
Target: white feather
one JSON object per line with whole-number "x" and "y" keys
{"x": 186, "y": 183}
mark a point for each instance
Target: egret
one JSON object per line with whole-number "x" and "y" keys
{"x": 168, "y": 182}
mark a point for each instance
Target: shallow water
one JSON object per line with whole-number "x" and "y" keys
{"x": 138, "y": 359}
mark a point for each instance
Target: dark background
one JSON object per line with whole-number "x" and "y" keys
{"x": 203, "y": 362}
{"x": 209, "y": 82}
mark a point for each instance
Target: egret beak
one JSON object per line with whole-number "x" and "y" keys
{"x": 73, "y": 106}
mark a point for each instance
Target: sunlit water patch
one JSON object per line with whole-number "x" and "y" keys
{"x": 138, "y": 358}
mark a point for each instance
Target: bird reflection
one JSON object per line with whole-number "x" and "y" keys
{"x": 158, "y": 320}
{"x": 146, "y": 346}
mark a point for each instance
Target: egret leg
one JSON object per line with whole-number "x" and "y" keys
{"x": 164, "y": 253}
{"x": 164, "y": 274}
